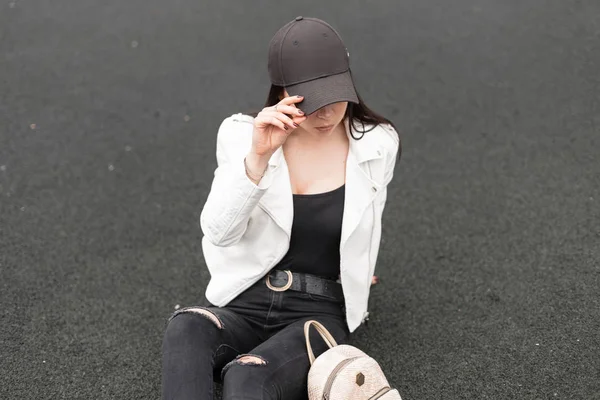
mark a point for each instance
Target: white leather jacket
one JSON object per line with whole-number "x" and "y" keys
{"x": 247, "y": 227}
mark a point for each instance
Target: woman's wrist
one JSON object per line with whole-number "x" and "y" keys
{"x": 256, "y": 166}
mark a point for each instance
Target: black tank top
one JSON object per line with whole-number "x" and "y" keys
{"x": 316, "y": 234}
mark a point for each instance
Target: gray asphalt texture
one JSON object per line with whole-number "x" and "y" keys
{"x": 490, "y": 261}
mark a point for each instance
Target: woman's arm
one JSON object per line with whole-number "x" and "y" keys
{"x": 244, "y": 147}
{"x": 233, "y": 194}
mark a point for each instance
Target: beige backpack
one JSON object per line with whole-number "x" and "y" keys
{"x": 344, "y": 372}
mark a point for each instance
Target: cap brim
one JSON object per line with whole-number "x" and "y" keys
{"x": 324, "y": 91}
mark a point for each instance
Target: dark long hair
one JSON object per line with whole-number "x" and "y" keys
{"x": 356, "y": 114}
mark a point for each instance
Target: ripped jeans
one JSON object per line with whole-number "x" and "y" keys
{"x": 254, "y": 345}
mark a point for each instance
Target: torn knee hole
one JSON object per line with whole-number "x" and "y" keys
{"x": 243, "y": 360}
{"x": 250, "y": 360}
{"x": 205, "y": 313}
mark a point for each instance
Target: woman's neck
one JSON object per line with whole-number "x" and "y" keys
{"x": 301, "y": 138}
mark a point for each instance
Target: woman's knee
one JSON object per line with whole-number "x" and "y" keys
{"x": 191, "y": 323}
{"x": 242, "y": 378}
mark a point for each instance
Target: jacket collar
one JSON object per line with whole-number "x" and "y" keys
{"x": 365, "y": 148}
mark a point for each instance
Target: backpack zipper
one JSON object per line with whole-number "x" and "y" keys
{"x": 333, "y": 375}
{"x": 380, "y": 393}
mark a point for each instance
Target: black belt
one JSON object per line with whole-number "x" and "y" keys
{"x": 281, "y": 281}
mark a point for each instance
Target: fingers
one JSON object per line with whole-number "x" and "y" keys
{"x": 266, "y": 117}
{"x": 299, "y": 120}
{"x": 291, "y": 100}
{"x": 289, "y": 110}
{"x": 271, "y": 119}
{"x": 284, "y": 115}
{"x": 284, "y": 119}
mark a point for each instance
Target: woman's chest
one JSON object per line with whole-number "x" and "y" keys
{"x": 317, "y": 172}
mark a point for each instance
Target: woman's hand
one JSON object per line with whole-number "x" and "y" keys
{"x": 273, "y": 125}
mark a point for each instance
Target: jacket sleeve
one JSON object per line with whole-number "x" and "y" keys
{"x": 233, "y": 196}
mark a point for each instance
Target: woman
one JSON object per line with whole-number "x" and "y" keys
{"x": 292, "y": 226}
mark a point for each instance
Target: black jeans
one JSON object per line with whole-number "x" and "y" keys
{"x": 199, "y": 349}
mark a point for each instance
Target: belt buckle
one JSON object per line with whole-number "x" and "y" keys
{"x": 280, "y": 288}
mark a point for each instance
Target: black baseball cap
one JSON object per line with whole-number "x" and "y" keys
{"x": 308, "y": 58}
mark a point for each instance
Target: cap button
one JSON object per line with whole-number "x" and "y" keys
{"x": 299, "y": 18}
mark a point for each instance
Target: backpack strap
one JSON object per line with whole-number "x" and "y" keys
{"x": 329, "y": 340}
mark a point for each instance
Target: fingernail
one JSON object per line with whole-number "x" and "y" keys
{"x": 300, "y": 112}
{"x": 296, "y": 125}
{"x": 285, "y": 127}
{"x": 298, "y": 96}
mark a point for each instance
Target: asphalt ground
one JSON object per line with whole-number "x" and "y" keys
{"x": 490, "y": 261}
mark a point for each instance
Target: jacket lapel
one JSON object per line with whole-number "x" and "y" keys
{"x": 277, "y": 200}
{"x": 361, "y": 189}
